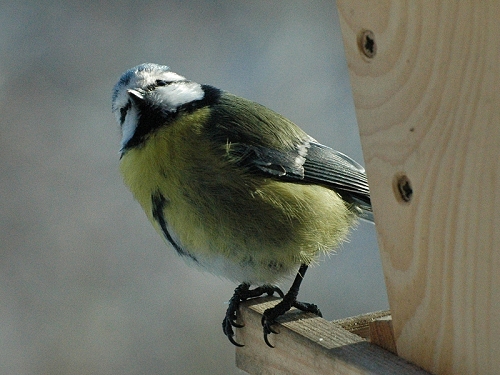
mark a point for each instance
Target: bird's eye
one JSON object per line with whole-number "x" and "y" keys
{"x": 161, "y": 82}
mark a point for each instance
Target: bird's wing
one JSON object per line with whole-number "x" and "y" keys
{"x": 264, "y": 142}
{"x": 310, "y": 162}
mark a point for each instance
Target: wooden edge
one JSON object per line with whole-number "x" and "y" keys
{"x": 308, "y": 344}
{"x": 360, "y": 324}
{"x": 382, "y": 334}
{"x": 375, "y": 327}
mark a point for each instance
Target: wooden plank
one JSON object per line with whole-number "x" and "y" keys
{"x": 376, "y": 327}
{"x": 382, "y": 334}
{"x": 428, "y": 108}
{"x": 308, "y": 344}
{"x": 360, "y": 324}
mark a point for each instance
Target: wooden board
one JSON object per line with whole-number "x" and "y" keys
{"x": 428, "y": 107}
{"x": 308, "y": 344}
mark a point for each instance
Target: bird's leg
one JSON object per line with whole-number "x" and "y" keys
{"x": 289, "y": 300}
{"x": 242, "y": 293}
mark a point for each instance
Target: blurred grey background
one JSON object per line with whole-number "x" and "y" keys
{"x": 86, "y": 285}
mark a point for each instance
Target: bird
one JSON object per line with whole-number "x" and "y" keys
{"x": 234, "y": 187}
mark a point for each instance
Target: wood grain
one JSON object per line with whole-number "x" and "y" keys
{"x": 308, "y": 344}
{"x": 382, "y": 334}
{"x": 428, "y": 108}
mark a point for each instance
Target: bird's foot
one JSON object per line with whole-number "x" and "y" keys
{"x": 242, "y": 293}
{"x": 290, "y": 300}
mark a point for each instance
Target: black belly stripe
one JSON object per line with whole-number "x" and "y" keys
{"x": 159, "y": 202}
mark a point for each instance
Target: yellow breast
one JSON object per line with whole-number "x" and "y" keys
{"x": 247, "y": 227}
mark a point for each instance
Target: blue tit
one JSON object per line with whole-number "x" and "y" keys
{"x": 234, "y": 187}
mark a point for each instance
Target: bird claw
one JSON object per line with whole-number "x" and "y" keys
{"x": 270, "y": 315}
{"x": 267, "y": 329}
{"x": 289, "y": 300}
{"x": 227, "y": 327}
{"x": 230, "y": 336}
{"x": 266, "y": 340}
{"x": 242, "y": 293}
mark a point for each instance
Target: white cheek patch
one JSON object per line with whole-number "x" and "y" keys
{"x": 176, "y": 94}
{"x": 129, "y": 126}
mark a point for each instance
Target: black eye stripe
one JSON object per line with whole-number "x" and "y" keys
{"x": 158, "y": 83}
{"x": 161, "y": 82}
{"x": 123, "y": 112}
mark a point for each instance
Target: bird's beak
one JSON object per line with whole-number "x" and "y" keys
{"x": 135, "y": 94}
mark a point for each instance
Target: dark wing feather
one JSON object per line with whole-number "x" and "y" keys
{"x": 335, "y": 169}
{"x": 338, "y": 171}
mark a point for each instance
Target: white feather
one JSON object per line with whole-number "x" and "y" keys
{"x": 176, "y": 94}
{"x": 129, "y": 126}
